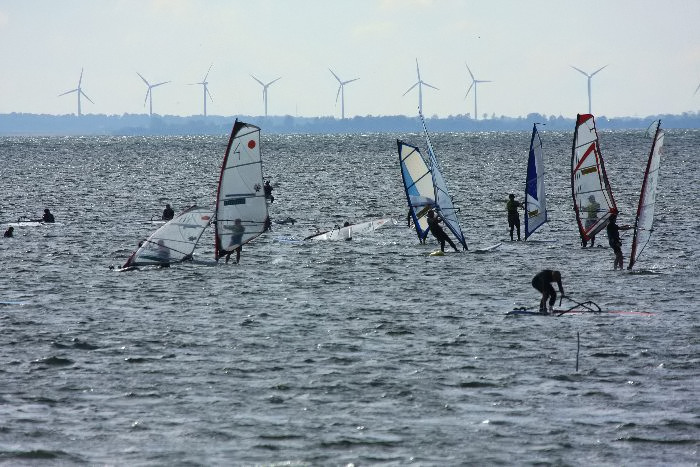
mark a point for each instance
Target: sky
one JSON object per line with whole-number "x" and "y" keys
{"x": 651, "y": 50}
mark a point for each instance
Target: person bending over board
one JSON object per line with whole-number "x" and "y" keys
{"x": 8, "y": 232}
{"x": 543, "y": 282}
{"x": 168, "y": 213}
{"x": 513, "y": 215}
{"x": 614, "y": 239}
{"x": 436, "y": 230}
{"x": 48, "y": 217}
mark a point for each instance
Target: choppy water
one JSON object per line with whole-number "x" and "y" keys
{"x": 363, "y": 352}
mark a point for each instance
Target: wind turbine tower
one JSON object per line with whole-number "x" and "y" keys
{"x": 341, "y": 93}
{"x": 420, "y": 84}
{"x": 149, "y": 93}
{"x": 79, "y": 91}
{"x": 589, "y": 83}
{"x": 265, "y": 86}
{"x": 474, "y": 84}
{"x": 204, "y": 84}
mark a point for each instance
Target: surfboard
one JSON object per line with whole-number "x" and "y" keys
{"x": 12, "y": 302}
{"x": 437, "y": 253}
{"x": 288, "y": 239}
{"x": 560, "y": 312}
{"x": 488, "y": 248}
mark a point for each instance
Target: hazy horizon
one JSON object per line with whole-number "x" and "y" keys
{"x": 526, "y": 50}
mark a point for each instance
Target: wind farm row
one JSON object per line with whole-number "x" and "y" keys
{"x": 340, "y": 95}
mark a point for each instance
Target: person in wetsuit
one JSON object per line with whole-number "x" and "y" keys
{"x": 48, "y": 217}
{"x": 613, "y": 231}
{"x": 543, "y": 282}
{"x": 592, "y": 209}
{"x": 237, "y": 231}
{"x": 8, "y": 232}
{"x": 513, "y": 215}
{"x": 168, "y": 213}
{"x": 268, "y": 191}
{"x": 436, "y": 230}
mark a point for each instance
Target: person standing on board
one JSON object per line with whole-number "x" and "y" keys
{"x": 543, "y": 282}
{"x": 513, "y": 215}
{"x": 614, "y": 239}
{"x": 268, "y": 191}
{"x": 237, "y": 230}
{"x": 8, "y": 232}
{"x": 436, "y": 230}
{"x": 168, "y": 213}
{"x": 592, "y": 209}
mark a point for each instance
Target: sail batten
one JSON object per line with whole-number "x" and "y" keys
{"x": 647, "y": 198}
{"x": 535, "y": 196}
{"x": 593, "y": 198}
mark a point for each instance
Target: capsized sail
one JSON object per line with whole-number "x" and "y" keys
{"x": 241, "y": 211}
{"x": 418, "y": 185}
{"x": 647, "y": 198}
{"x": 347, "y": 232}
{"x": 173, "y": 242}
{"x": 593, "y": 198}
{"x": 535, "y": 197}
{"x": 443, "y": 200}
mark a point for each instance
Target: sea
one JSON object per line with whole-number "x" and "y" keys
{"x": 347, "y": 353}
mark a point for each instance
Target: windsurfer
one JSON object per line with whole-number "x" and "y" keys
{"x": 268, "y": 191}
{"x": 613, "y": 231}
{"x": 168, "y": 213}
{"x": 47, "y": 217}
{"x": 592, "y": 209}
{"x": 237, "y": 230}
{"x": 513, "y": 215}
{"x": 436, "y": 230}
{"x": 543, "y": 282}
{"x": 8, "y": 232}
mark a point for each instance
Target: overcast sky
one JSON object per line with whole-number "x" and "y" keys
{"x": 525, "y": 47}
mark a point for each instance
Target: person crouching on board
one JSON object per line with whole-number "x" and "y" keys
{"x": 8, "y": 232}
{"x": 543, "y": 282}
{"x": 168, "y": 213}
{"x": 436, "y": 230}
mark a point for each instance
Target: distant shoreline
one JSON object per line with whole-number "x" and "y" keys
{"x": 21, "y": 124}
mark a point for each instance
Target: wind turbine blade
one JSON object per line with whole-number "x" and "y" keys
{"x": 338, "y": 94}
{"x": 411, "y": 88}
{"x": 205, "y": 76}
{"x": 85, "y": 95}
{"x": 146, "y": 99}
{"x": 67, "y": 92}
{"x": 429, "y": 85}
{"x": 81, "y": 78}
{"x": 580, "y": 71}
{"x": 350, "y": 81}
{"x": 256, "y": 79}
{"x": 164, "y": 82}
{"x": 597, "y": 71}
{"x": 206, "y": 90}
{"x": 336, "y": 76}
{"x": 417, "y": 70}
{"x": 470, "y": 72}
{"x": 144, "y": 79}
{"x": 696, "y": 89}
{"x": 273, "y": 81}
{"x": 483, "y": 81}
{"x": 470, "y": 88}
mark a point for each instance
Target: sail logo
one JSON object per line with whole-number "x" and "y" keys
{"x": 589, "y": 170}
{"x": 234, "y": 201}
{"x": 251, "y": 144}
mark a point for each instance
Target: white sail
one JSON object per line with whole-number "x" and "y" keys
{"x": 647, "y": 198}
{"x": 443, "y": 200}
{"x": 173, "y": 242}
{"x": 418, "y": 185}
{"x": 535, "y": 196}
{"x": 241, "y": 210}
{"x": 593, "y": 198}
{"x": 347, "y": 232}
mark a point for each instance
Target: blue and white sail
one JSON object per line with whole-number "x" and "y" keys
{"x": 647, "y": 198}
{"x": 535, "y": 196}
{"x": 443, "y": 200}
{"x": 418, "y": 185}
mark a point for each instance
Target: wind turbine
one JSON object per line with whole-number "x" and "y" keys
{"x": 589, "y": 82}
{"x": 204, "y": 84}
{"x": 697, "y": 89}
{"x": 80, "y": 92}
{"x": 341, "y": 93}
{"x": 149, "y": 93}
{"x": 475, "y": 82}
{"x": 420, "y": 84}
{"x": 265, "y": 86}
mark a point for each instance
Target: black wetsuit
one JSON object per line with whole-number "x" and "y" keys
{"x": 614, "y": 236}
{"x": 168, "y": 214}
{"x": 48, "y": 218}
{"x": 439, "y": 234}
{"x": 513, "y": 216}
{"x": 543, "y": 282}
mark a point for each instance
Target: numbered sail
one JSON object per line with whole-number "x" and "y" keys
{"x": 535, "y": 198}
{"x": 418, "y": 185}
{"x": 174, "y": 242}
{"x": 647, "y": 199}
{"x": 593, "y": 198}
{"x": 241, "y": 210}
{"x": 443, "y": 200}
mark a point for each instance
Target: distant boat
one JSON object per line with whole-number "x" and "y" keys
{"x": 241, "y": 211}
{"x": 647, "y": 198}
{"x": 593, "y": 197}
{"x": 174, "y": 242}
{"x": 535, "y": 196}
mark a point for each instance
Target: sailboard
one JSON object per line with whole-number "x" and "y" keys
{"x": 535, "y": 196}
{"x": 590, "y": 188}
{"x": 647, "y": 198}
{"x": 443, "y": 201}
{"x": 241, "y": 211}
{"x": 347, "y": 232}
{"x": 174, "y": 242}
{"x": 418, "y": 185}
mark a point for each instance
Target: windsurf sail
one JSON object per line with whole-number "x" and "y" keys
{"x": 347, "y": 232}
{"x": 647, "y": 198}
{"x": 593, "y": 198}
{"x": 418, "y": 185}
{"x": 535, "y": 197}
{"x": 174, "y": 242}
{"x": 241, "y": 211}
{"x": 443, "y": 200}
